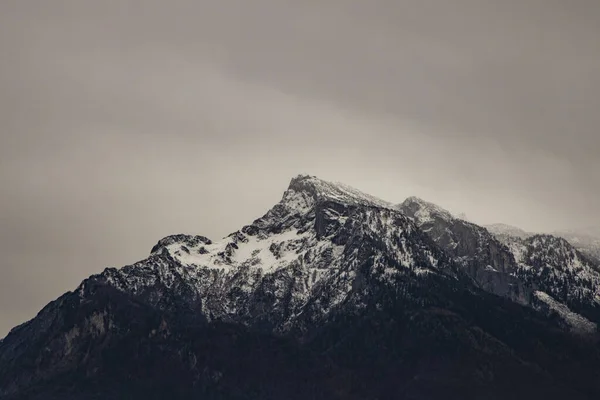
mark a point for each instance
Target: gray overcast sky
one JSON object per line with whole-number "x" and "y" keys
{"x": 124, "y": 121}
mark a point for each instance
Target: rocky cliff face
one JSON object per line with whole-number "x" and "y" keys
{"x": 587, "y": 241}
{"x": 331, "y": 294}
{"x": 512, "y": 263}
{"x": 553, "y": 265}
{"x": 489, "y": 262}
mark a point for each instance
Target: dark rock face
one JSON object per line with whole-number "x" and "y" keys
{"x": 332, "y": 294}
{"x": 512, "y": 263}
{"x": 482, "y": 256}
{"x": 169, "y": 240}
{"x": 554, "y": 266}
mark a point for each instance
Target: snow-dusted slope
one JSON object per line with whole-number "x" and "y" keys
{"x": 556, "y": 267}
{"x": 501, "y": 253}
{"x": 574, "y": 321}
{"x": 424, "y": 212}
{"x": 585, "y": 240}
{"x": 554, "y": 264}
{"x": 479, "y": 253}
{"x": 319, "y": 190}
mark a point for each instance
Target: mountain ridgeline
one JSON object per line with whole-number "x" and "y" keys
{"x": 332, "y": 294}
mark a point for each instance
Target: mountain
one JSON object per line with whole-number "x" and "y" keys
{"x": 484, "y": 258}
{"x": 585, "y": 240}
{"x": 332, "y": 294}
{"x": 512, "y": 263}
{"x": 556, "y": 266}
{"x": 504, "y": 230}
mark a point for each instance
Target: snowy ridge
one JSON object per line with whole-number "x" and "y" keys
{"x": 485, "y": 259}
{"x": 585, "y": 240}
{"x": 556, "y": 253}
{"x": 424, "y": 212}
{"x": 575, "y": 322}
{"x": 322, "y": 191}
{"x": 556, "y": 267}
{"x": 534, "y": 262}
{"x": 552, "y": 265}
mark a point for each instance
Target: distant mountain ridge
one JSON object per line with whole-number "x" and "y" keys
{"x": 508, "y": 230}
{"x": 586, "y": 240}
{"x": 332, "y": 294}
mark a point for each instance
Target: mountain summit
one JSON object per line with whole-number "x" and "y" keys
{"x": 423, "y": 211}
{"x": 321, "y": 190}
{"x": 331, "y": 294}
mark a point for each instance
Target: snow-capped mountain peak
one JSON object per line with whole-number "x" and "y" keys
{"x": 321, "y": 190}
{"x": 423, "y": 211}
{"x": 283, "y": 235}
{"x": 310, "y": 244}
